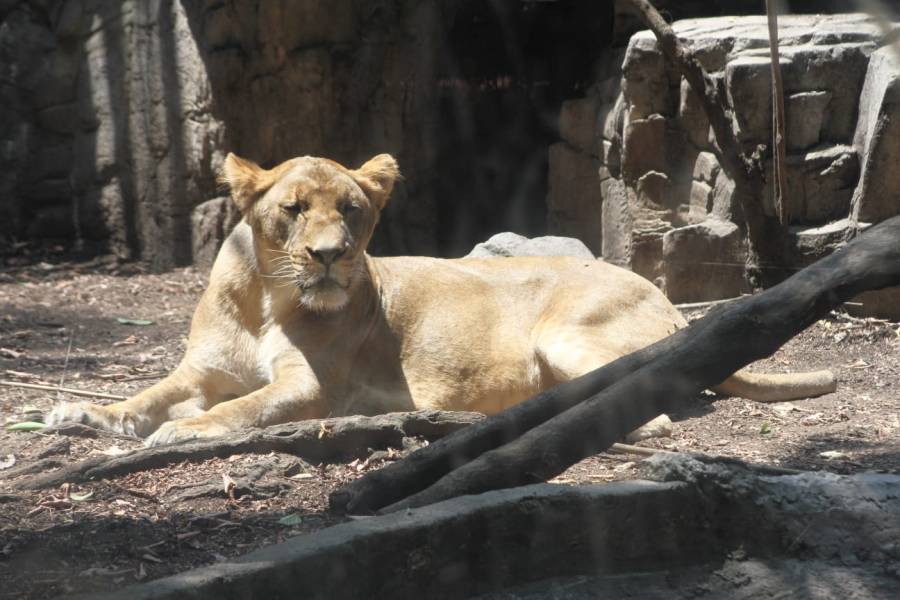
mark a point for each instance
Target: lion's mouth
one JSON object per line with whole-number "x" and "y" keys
{"x": 314, "y": 278}
{"x": 321, "y": 281}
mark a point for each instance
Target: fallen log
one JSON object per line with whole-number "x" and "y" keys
{"x": 315, "y": 440}
{"x": 657, "y": 380}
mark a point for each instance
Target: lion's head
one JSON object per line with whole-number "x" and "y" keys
{"x": 312, "y": 220}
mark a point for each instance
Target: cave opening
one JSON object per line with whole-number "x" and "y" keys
{"x": 509, "y": 66}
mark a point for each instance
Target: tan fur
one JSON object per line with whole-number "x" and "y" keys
{"x": 299, "y": 322}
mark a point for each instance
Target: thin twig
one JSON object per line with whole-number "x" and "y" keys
{"x": 62, "y": 378}
{"x": 778, "y": 127}
{"x": 629, "y": 449}
{"x": 144, "y": 377}
{"x": 56, "y": 388}
{"x": 707, "y": 304}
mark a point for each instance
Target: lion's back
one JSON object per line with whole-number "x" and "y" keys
{"x": 469, "y": 328}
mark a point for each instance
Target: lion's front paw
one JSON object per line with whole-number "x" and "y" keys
{"x": 185, "y": 429}
{"x": 108, "y": 418}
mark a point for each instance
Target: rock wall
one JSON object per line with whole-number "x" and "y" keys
{"x": 117, "y": 115}
{"x": 117, "y": 141}
{"x": 645, "y": 185}
{"x": 120, "y": 112}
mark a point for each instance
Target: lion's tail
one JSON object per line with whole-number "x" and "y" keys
{"x": 777, "y": 387}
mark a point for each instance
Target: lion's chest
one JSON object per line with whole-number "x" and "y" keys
{"x": 273, "y": 347}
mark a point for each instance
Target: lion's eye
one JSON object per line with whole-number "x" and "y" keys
{"x": 294, "y": 208}
{"x": 348, "y": 208}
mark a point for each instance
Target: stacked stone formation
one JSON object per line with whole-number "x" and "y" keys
{"x": 658, "y": 201}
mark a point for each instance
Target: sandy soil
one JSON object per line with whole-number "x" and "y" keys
{"x": 59, "y": 323}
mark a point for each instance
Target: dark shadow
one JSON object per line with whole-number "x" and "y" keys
{"x": 507, "y": 70}
{"x": 133, "y": 546}
{"x": 695, "y": 407}
{"x": 93, "y": 334}
{"x": 174, "y": 189}
{"x": 119, "y": 106}
{"x": 855, "y": 455}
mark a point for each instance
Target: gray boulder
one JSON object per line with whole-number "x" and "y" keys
{"x": 513, "y": 244}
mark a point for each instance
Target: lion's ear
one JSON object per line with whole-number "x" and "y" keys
{"x": 377, "y": 178}
{"x": 246, "y": 180}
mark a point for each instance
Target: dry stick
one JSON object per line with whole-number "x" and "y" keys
{"x": 695, "y": 358}
{"x": 778, "y": 126}
{"x": 56, "y": 388}
{"x": 639, "y": 450}
{"x": 708, "y": 303}
{"x": 314, "y": 440}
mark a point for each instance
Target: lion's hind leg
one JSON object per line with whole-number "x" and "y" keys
{"x": 570, "y": 353}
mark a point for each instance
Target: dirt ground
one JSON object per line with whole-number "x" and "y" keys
{"x": 60, "y": 323}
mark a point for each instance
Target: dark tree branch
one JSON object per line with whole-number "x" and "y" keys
{"x": 314, "y": 440}
{"x": 731, "y": 155}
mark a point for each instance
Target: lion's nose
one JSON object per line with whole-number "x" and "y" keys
{"x": 326, "y": 254}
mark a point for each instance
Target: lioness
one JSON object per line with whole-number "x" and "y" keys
{"x": 299, "y": 322}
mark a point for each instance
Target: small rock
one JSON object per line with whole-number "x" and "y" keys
{"x": 644, "y": 147}
{"x": 578, "y": 124}
{"x": 805, "y": 115}
{"x": 56, "y": 448}
{"x": 574, "y": 195}
{"x": 661, "y": 426}
{"x": 832, "y": 454}
{"x": 813, "y": 419}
